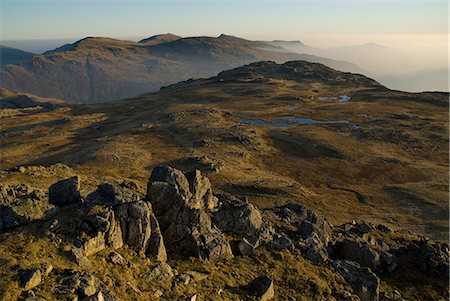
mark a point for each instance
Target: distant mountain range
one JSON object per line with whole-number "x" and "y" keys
{"x": 98, "y": 69}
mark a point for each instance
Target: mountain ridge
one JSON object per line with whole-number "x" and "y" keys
{"x": 98, "y": 69}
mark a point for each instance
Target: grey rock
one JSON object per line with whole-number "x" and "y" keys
{"x": 108, "y": 194}
{"x": 21, "y": 205}
{"x": 363, "y": 281}
{"x": 161, "y": 272}
{"x": 200, "y": 186}
{"x": 314, "y": 249}
{"x": 132, "y": 223}
{"x": 282, "y": 242}
{"x": 359, "y": 251}
{"x": 185, "y": 225}
{"x": 65, "y": 192}
{"x": 84, "y": 286}
{"x": 242, "y": 220}
{"x": 30, "y": 278}
{"x": 304, "y": 220}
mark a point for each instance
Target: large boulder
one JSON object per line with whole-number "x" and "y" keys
{"x": 363, "y": 281}
{"x": 65, "y": 192}
{"x": 118, "y": 221}
{"x": 182, "y": 214}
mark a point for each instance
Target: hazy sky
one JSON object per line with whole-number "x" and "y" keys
{"x": 29, "y": 19}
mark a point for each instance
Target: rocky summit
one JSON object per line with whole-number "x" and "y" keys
{"x": 180, "y": 239}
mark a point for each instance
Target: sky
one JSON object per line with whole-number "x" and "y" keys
{"x": 289, "y": 19}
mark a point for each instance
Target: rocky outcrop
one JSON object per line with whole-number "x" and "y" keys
{"x": 182, "y": 213}
{"x": 21, "y": 205}
{"x": 308, "y": 229}
{"x": 362, "y": 280}
{"x": 65, "y": 192}
{"x": 429, "y": 257}
{"x": 121, "y": 219}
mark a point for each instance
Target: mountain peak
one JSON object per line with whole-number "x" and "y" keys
{"x": 160, "y": 38}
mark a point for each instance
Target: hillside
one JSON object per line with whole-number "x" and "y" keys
{"x": 101, "y": 69}
{"x": 10, "y": 55}
{"x": 311, "y": 184}
{"x": 11, "y": 100}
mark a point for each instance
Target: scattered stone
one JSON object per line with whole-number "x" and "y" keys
{"x": 65, "y": 192}
{"x": 30, "y": 278}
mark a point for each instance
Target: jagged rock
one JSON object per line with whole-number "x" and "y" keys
{"x": 184, "y": 223}
{"x": 172, "y": 176}
{"x": 371, "y": 255}
{"x": 135, "y": 223}
{"x": 241, "y": 219}
{"x": 108, "y": 194}
{"x": 65, "y": 192}
{"x": 362, "y": 280}
{"x": 193, "y": 234}
{"x": 131, "y": 223}
{"x": 100, "y": 229}
{"x": 162, "y": 272}
{"x": 314, "y": 249}
{"x": 429, "y": 257}
{"x": 360, "y": 252}
{"x": 156, "y": 247}
{"x": 30, "y": 278}
{"x": 310, "y": 229}
{"x": 116, "y": 258}
{"x": 282, "y": 242}
{"x": 140, "y": 229}
{"x": 303, "y": 220}
{"x": 200, "y": 186}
